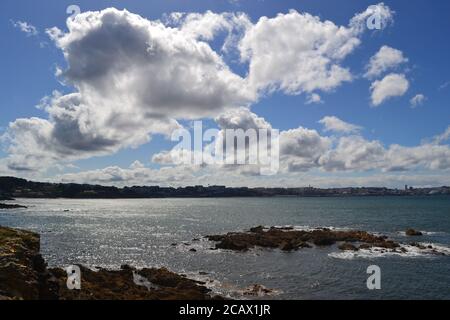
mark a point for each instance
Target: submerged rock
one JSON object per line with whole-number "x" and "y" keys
{"x": 11, "y": 206}
{"x": 420, "y": 246}
{"x": 348, "y": 246}
{"x": 412, "y": 232}
{"x": 287, "y": 246}
{"x": 257, "y": 290}
{"x": 257, "y": 229}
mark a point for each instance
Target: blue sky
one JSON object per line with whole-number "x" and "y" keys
{"x": 419, "y": 29}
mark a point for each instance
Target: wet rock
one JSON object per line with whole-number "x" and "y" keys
{"x": 231, "y": 244}
{"x": 257, "y": 290}
{"x": 24, "y": 275}
{"x": 302, "y": 244}
{"x": 287, "y": 246}
{"x": 387, "y": 244}
{"x": 23, "y": 271}
{"x": 257, "y": 229}
{"x": 290, "y": 239}
{"x": 348, "y": 246}
{"x": 11, "y": 206}
{"x": 324, "y": 241}
{"x": 418, "y": 245}
{"x": 412, "y": 232}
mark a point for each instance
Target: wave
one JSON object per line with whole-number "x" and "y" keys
{"x": 309, "y": 228}
{"x": 426, "y": 233}
{"x": 233, "y": 291}
{"x": 424, "y": 250}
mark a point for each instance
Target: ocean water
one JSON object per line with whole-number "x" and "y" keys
{"x": 143, "y": 233}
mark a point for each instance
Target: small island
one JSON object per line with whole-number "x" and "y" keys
{"x": 289, "y": 239}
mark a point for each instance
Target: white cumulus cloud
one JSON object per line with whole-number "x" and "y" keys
{"x": 392, "y": 85}
{"x": 417, "y": 100}
{"x": 25, "y": 27}
{"x": 386, "y": 58}
{"x": 334, "y": 124}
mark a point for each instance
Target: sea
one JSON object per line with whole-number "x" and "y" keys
{"x": 163, "y": 232}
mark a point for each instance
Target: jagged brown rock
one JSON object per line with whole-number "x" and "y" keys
{"x": 23, "y": 271}
{"x": 412, "y": 232}
{"x": 257, "y": 290}
{"x": 288, "y": 239}
{"x": 24, "y": 276}
{"x": 103, "y": 284}
{"x": 348, "y": 246}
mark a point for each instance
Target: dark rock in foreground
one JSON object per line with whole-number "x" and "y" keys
{"x": 412, "y": 232}
{"x": 24, "y": 276}
{"x": 23, "y": 271}
{"x": 131, "y": 284}
{"x": 10, "y": 206}
{"x": 288, "y": 239}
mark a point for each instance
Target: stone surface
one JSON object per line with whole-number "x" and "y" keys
{"x": 348, "y": 246}
{"x": 412, "y": 232}
{"x": 23, "y": 271}
{"x": 154, "y": 284}
{"x": 24, "y": 276}
{"x": 289, "y": 239}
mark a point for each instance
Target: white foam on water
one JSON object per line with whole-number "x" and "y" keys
{"x": 231, "y": 290}
{"x": 440, "y": 248}
{"x": 426, "y": 233}
{"x": 308, "y": 228}
{"x": 377, "y": 252}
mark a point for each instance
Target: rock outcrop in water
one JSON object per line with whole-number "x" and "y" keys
{"x": 10, "y": 206}
{"x": 24, "y": 276}
{"x": 412, "y": 232}
{"x": 288, "y": 239}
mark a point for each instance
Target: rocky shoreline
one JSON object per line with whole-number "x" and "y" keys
{"x": 24, "y": 276}
{"x": 289, "y": 239}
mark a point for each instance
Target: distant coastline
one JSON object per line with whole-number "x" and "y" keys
{"x": 11, "y": 187}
